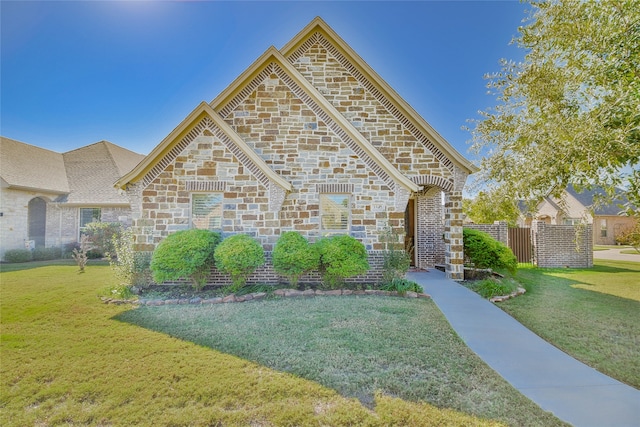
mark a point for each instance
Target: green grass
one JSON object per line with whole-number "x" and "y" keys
{"x": 67, "y": 360}
{"x": 592, "y": 314}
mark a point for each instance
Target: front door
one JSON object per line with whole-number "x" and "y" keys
{"x": 409, "y": 230}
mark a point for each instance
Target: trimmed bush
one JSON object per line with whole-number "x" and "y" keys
{"x": 401, "y": 286}
{"x": 17, "y": 255}
{"x": 483, "y": 251}
{"x": 239, "y": 256}
{"x": 341, "y": 257}
{"x": 101, "y": 235}
{"x": 185, "y": 254}
{"x": 293, "y": 256}
{"x": 45, "y": 254}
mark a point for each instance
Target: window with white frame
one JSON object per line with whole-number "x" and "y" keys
{"x": 88, "y": 215}
{"x": 335, "y": 213}
{"x": 603, "y": 228}
{"x": 206, "y": 211}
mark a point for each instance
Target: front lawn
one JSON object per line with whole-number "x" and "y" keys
{"x": 66, "y": 360}
{"x": 592, "y": 314}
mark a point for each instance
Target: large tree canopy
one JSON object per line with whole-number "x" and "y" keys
{"x": 570, "y": 112}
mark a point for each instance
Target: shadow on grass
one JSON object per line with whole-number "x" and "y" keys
{"x": 355, "y": 345}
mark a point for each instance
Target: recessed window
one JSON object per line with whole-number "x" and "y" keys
{"x": 88, "y": 215}
{"x": 603, "y": 228}
{"x": 335, "y": 212}
{"x": 206, "y": 211}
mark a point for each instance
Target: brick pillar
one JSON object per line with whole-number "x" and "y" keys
{"x": 454, "y": 253}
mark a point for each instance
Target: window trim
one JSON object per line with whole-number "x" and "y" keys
{"x": 81, "y": 228}
{"x": 329, "y": 231}
{"x": 206, "y": 193}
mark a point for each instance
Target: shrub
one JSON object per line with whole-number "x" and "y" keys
{"x": 401, "y": 286}
{"x": 239, "y": 255}
{"x": 341, "y": 256}
{"x": 630, "y": 236}
{"x": 17, "y": 255}
{"x": 395, "y": 260}
{"x": 481, "y": 250}
{"x": 293, "y": 256}
{"x": 100, "y": 235}
{"x": 185, "y": 254}
{"x": 44, "y": 254}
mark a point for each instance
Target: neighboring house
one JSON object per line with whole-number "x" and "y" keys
{"x": 308, "y": 138}
{"x": 579, "y": 207}
{"x": 48, "y": 197}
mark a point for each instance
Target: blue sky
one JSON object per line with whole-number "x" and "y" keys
{"x": 77, "y": 72}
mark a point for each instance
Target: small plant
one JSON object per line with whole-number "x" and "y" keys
{"x": 401, "y": 286}
{"x": 17, "y": 255}
{"x": 293, "y": 256}
{"x": 341, "y": 256}
{"x": 80, "y": 254}
{"x": 489, "y": 288}
{"x": 131, "y": 268}
{"x": 482, "y": 251}
{"x": 395, "y": 260}
{"x": 184, "y": 254}
{"x": 239, "y": 255}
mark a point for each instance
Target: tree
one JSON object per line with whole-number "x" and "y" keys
{"x": 490, "y": 206}
{"x": 570, "y": 112}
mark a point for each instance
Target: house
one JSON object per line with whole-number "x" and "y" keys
{"x": 308, "y": 138}
{"x": 47, "y": 198}
{"x": 581, "y": 207}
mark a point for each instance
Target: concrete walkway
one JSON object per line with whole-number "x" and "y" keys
{"x": 615, "y": 255}
{"x": 569, "y": 389}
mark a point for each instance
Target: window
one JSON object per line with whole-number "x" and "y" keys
{"x": 335, "y": 213}
{"x": 88, "y": 215}
{"x": 603, "y": 228}
{"x": 206, "y": 211}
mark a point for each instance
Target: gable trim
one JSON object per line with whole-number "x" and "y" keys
{"x": 202, "y": 118}
{"x": 319, "y": 31}
{"x": 272, "y": 61}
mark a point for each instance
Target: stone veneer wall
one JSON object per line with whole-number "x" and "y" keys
{"x": 562, "y": 245}
{"x": 283, "y": 127}
{"x": 499, "y": 230}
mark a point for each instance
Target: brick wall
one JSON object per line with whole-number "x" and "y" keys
{"x": 562, "y": 245}
{"x": 499, "y": 230}
{"x": 267, "y": 275}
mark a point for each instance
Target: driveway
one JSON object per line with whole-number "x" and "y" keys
{"x": 615, "y": 255}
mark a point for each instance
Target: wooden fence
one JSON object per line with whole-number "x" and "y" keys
{"x": 520, "y": 244}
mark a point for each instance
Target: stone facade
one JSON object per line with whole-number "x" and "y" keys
{"x": 312, "y": 117}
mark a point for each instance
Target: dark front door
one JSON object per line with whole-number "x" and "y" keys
{"x": 409, "y": 230}
{"x": 37, "y": 220}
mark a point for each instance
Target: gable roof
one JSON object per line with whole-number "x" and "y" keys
{"x": 91, "y": 171}
{"x": 586, "y": 198}
{"x": 380, "y": 89}
{"x": 24, "y": 166}
{"x": 173, "y": 143}
{"x": 228, "y": 99}
{"x": 82, "y": 176}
